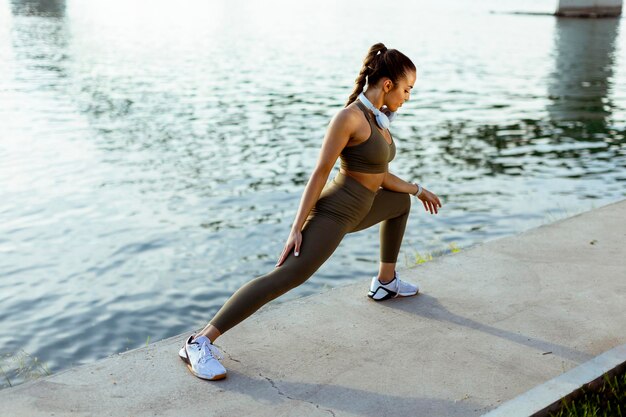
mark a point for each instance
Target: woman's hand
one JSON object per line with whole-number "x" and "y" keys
{"x": 430, "y": 201}
{"x": 293, "y": 242}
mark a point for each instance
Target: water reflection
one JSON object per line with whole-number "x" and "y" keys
{"x": 45, "y": 8}
{"x": 40, "y": 44}
{"x": 584, "y": 63}
{"x": 577, "y": 139}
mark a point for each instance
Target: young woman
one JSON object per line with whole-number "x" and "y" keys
{"x": 362, "y": 194}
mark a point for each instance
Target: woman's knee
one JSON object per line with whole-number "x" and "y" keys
{"x": 406, "y": 202}
{"x": 401, "y": 202}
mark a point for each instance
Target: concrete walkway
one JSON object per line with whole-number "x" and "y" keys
{"x": 492, "y": 322}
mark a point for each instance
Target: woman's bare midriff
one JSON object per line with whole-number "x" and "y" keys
{"x": 370, "y": 181}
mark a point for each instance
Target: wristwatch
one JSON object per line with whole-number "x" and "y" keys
{"x": 419, "y": 190}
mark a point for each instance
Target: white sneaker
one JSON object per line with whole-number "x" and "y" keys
{"x": 394, "y": 288}
{"x": 202, "y": 358}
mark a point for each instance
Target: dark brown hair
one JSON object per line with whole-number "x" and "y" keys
{"x": 378, "y": 63}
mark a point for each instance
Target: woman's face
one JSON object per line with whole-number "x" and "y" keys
{"x": 400, "y": 92}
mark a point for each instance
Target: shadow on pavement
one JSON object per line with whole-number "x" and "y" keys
{"x": 429, "y": 307}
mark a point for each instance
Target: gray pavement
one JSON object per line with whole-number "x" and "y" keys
{"x": 493, "y": 321}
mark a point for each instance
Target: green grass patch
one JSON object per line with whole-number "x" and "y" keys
{"x": 604, "y": 399}
{"x": 19, "y": 367}
{"x": 417, "y": 258}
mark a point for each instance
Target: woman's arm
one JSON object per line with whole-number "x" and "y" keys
{"x": 430, "y": 200}
{"x": 397, "y": 184}
{"x": 337, "y": 136}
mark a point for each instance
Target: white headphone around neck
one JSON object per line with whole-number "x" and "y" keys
{"x": 383, "y": 117}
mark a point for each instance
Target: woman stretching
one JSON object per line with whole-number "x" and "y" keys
{"x": 362, "y": 194}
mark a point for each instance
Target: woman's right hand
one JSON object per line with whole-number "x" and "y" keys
{"x": 293, "y": 242}
{"x": 430, "y": 200}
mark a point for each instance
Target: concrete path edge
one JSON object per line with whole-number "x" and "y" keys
{"x": 546, "y": 398}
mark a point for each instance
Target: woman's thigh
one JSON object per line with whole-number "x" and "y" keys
{"x": 387, "y": 205}
{"x": 320, "y": 237}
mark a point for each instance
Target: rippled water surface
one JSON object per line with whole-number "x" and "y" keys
{"x": 153, "y": 153}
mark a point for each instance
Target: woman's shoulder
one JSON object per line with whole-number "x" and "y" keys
{"x": 348, "y": 117}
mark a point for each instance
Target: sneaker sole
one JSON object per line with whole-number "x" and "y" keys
{"x": 186, "y": 360}
{"x": 389, "y": 296}
{"x": 214, "y": 378}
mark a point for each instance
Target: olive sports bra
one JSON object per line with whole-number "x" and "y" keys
{"x": 372, "y": 155}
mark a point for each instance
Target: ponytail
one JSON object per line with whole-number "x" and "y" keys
{"x": 378, "y": 63}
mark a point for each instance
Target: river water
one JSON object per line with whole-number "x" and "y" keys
{"x": 153, "y": 153}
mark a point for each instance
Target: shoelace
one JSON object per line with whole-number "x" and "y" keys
{"x": 209, "y": 351}
{"x": 405, "y": 286}
{"x": 401, "y": 285}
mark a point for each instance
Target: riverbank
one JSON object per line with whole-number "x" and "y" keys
{"x": 158, "y": 192}
{"x": 492, "y": 322}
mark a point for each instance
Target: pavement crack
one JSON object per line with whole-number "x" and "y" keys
{"x": 230, "y": 357}
{"x": 326, "y": 409}
{"x": 278, "y": 390}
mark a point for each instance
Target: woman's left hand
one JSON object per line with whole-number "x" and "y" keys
{"x": 430, "y": 201}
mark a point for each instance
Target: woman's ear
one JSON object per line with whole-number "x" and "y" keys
{"x": 387, "y": 85}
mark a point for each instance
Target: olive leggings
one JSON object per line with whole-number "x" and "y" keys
{"x": 344, "y": 206}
